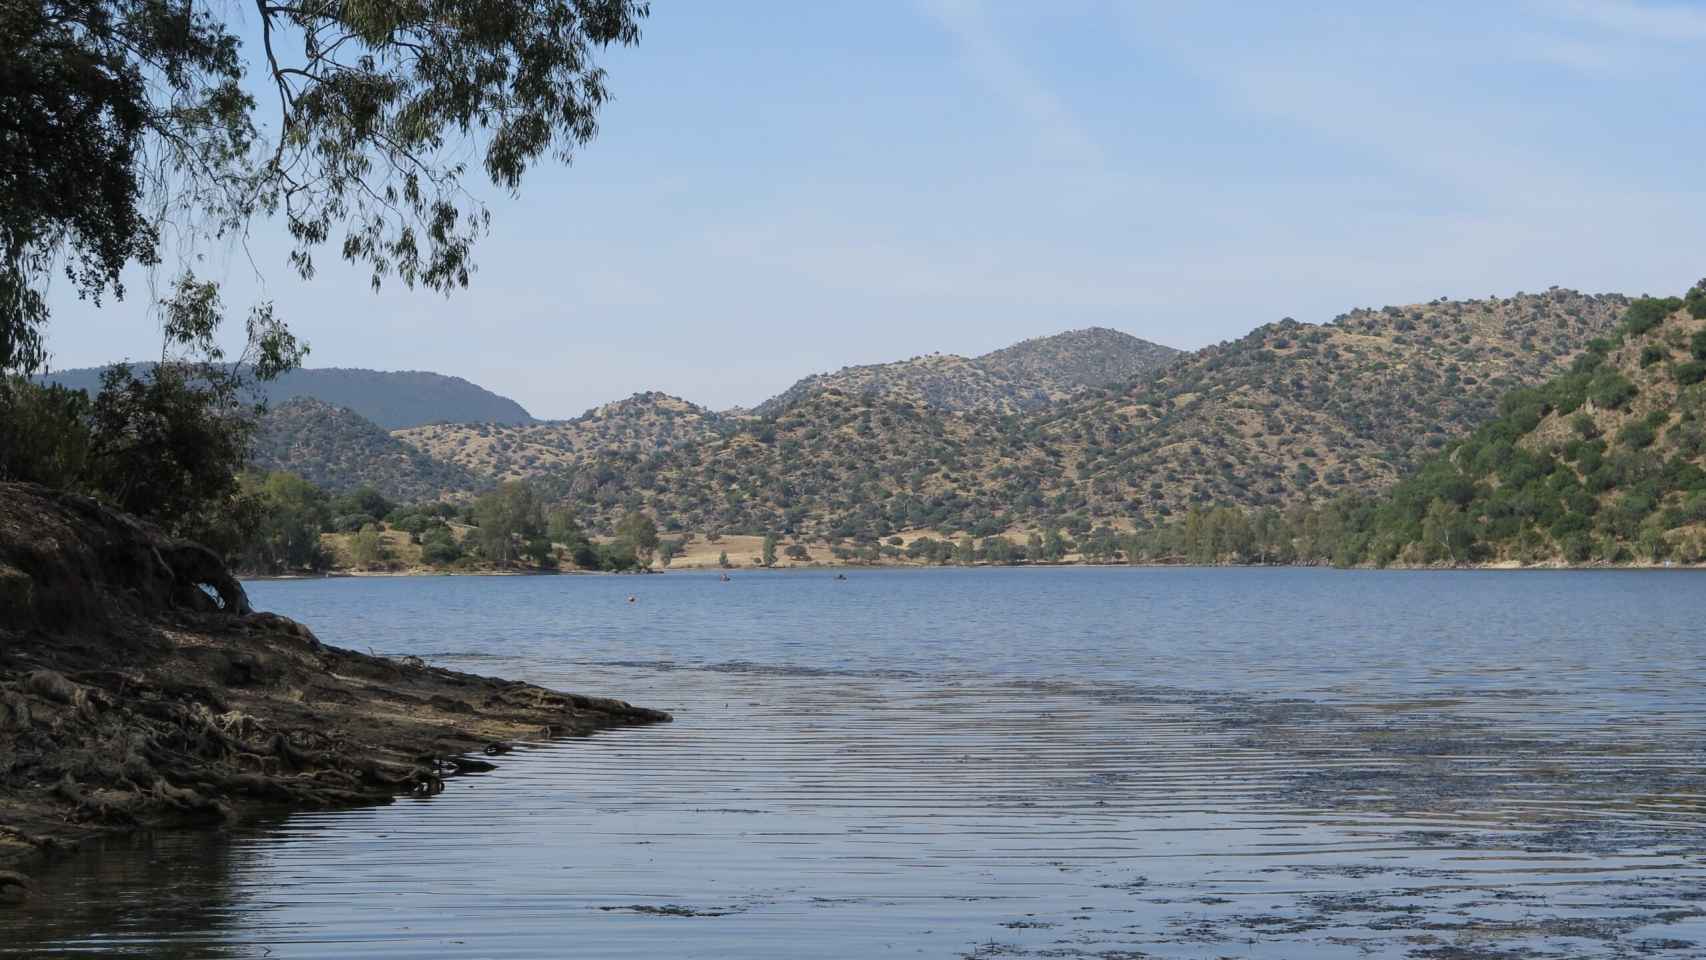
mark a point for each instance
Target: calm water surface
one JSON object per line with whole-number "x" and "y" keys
{"x": 983, "y": 763}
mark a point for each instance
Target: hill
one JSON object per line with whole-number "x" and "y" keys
{"x": 1024, "y": 377}
{"x": 340, "y": 450}
{"x": 1290, "y": 414}
{"x": 1606, "y": 463}
{"x": 391, "y": 399}
{"x": 1069, "y": 362}
{"x": 1295, "y": 412}
{"x": 642, "y": 423}
{"x": 833, "y": 464}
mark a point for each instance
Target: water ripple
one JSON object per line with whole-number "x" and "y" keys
{"x": 958, "y": 803}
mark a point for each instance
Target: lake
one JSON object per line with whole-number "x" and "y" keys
{"x": 1076, "y": 762}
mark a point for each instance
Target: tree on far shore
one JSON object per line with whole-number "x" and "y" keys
{"x": 508, "y": 514}
{"x": 639, "y": 533}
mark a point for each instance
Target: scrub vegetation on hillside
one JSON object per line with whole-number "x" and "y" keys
{"x": 1605, "y": 463}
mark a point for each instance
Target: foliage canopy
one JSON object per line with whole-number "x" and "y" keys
{"x": 121, "y": 118}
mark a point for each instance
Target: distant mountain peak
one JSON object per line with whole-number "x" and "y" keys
{"x": 390, "y": 399}
{"x": 645, "y": 400}
{"x": 1020, "y": 378}
{"x": 643, "y": 423}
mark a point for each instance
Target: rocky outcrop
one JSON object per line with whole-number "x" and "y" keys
{"x": 138, "y": 687}
{"x": 67, "y": 560}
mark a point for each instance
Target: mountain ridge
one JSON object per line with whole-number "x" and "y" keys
{"x": 1290, "y": 413}
{"x": 1019, "y": 378}
{"x": 645, "y": 422}
{"x": 392, "y": 399}
{"x": 1604, "y": 464}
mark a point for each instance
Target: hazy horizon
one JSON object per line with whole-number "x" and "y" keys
{"x": 792, "y": 190}
{"x": 747, "y": 404}
{"x": 654, "y": 388}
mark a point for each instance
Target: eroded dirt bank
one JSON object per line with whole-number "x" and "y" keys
{"x": 138, "y": 688}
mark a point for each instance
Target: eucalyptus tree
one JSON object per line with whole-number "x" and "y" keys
{"x": 135, "y": 129}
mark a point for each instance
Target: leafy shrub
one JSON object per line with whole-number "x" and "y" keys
{"x": 1610, "y": 390}
{"x": 44, "y": 433}
{"x": 440, "y": 551}
{"x": 1601, "y": 479}
{"x": 169, "y": 446}
{"x": 613, "y": 556}
{"x": 538, "y": 550}
{"x": 1637, "y": 436}
{"x": 1648, "y": 312}
{"x": 1577, "y": 548}
{"x": 363, "y": 500}
{"x": 1695, "y": 301}
{"x": 352, "y": 522}
{"x": 1634, "y": 507}
{"x": 367, "y": 548}
{"x": 411, "y": 523}
{"x": 1689, "y": 373}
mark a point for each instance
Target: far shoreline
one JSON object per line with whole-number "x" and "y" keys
{"x": 1497, "y": 567}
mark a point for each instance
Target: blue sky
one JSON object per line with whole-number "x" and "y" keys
{"x": 782, "y": 188}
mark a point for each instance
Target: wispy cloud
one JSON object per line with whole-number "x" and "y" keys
{"x": 1570, "y": 53}
{"x": 1669, "y": 22}
{"x": 1008, "y": 78}
{"x": 1454, "y": 147}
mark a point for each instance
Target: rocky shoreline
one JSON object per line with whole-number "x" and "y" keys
{"x": 138, "y": 689}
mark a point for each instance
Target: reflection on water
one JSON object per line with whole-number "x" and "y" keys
{"x": 1049, "y": 763}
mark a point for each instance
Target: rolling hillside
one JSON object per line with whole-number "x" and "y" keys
{"x": 1603, "y": 464}
{"x": 643, "y": 423}
{"x": 1295, "y": 412}
{"x": 1606, "y": 463}
{"x": 1025, "y": 376}
{"x": 1291, "y": 413}
{"x": 340, "y": 450}
{"x": 1022, "y": 378}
